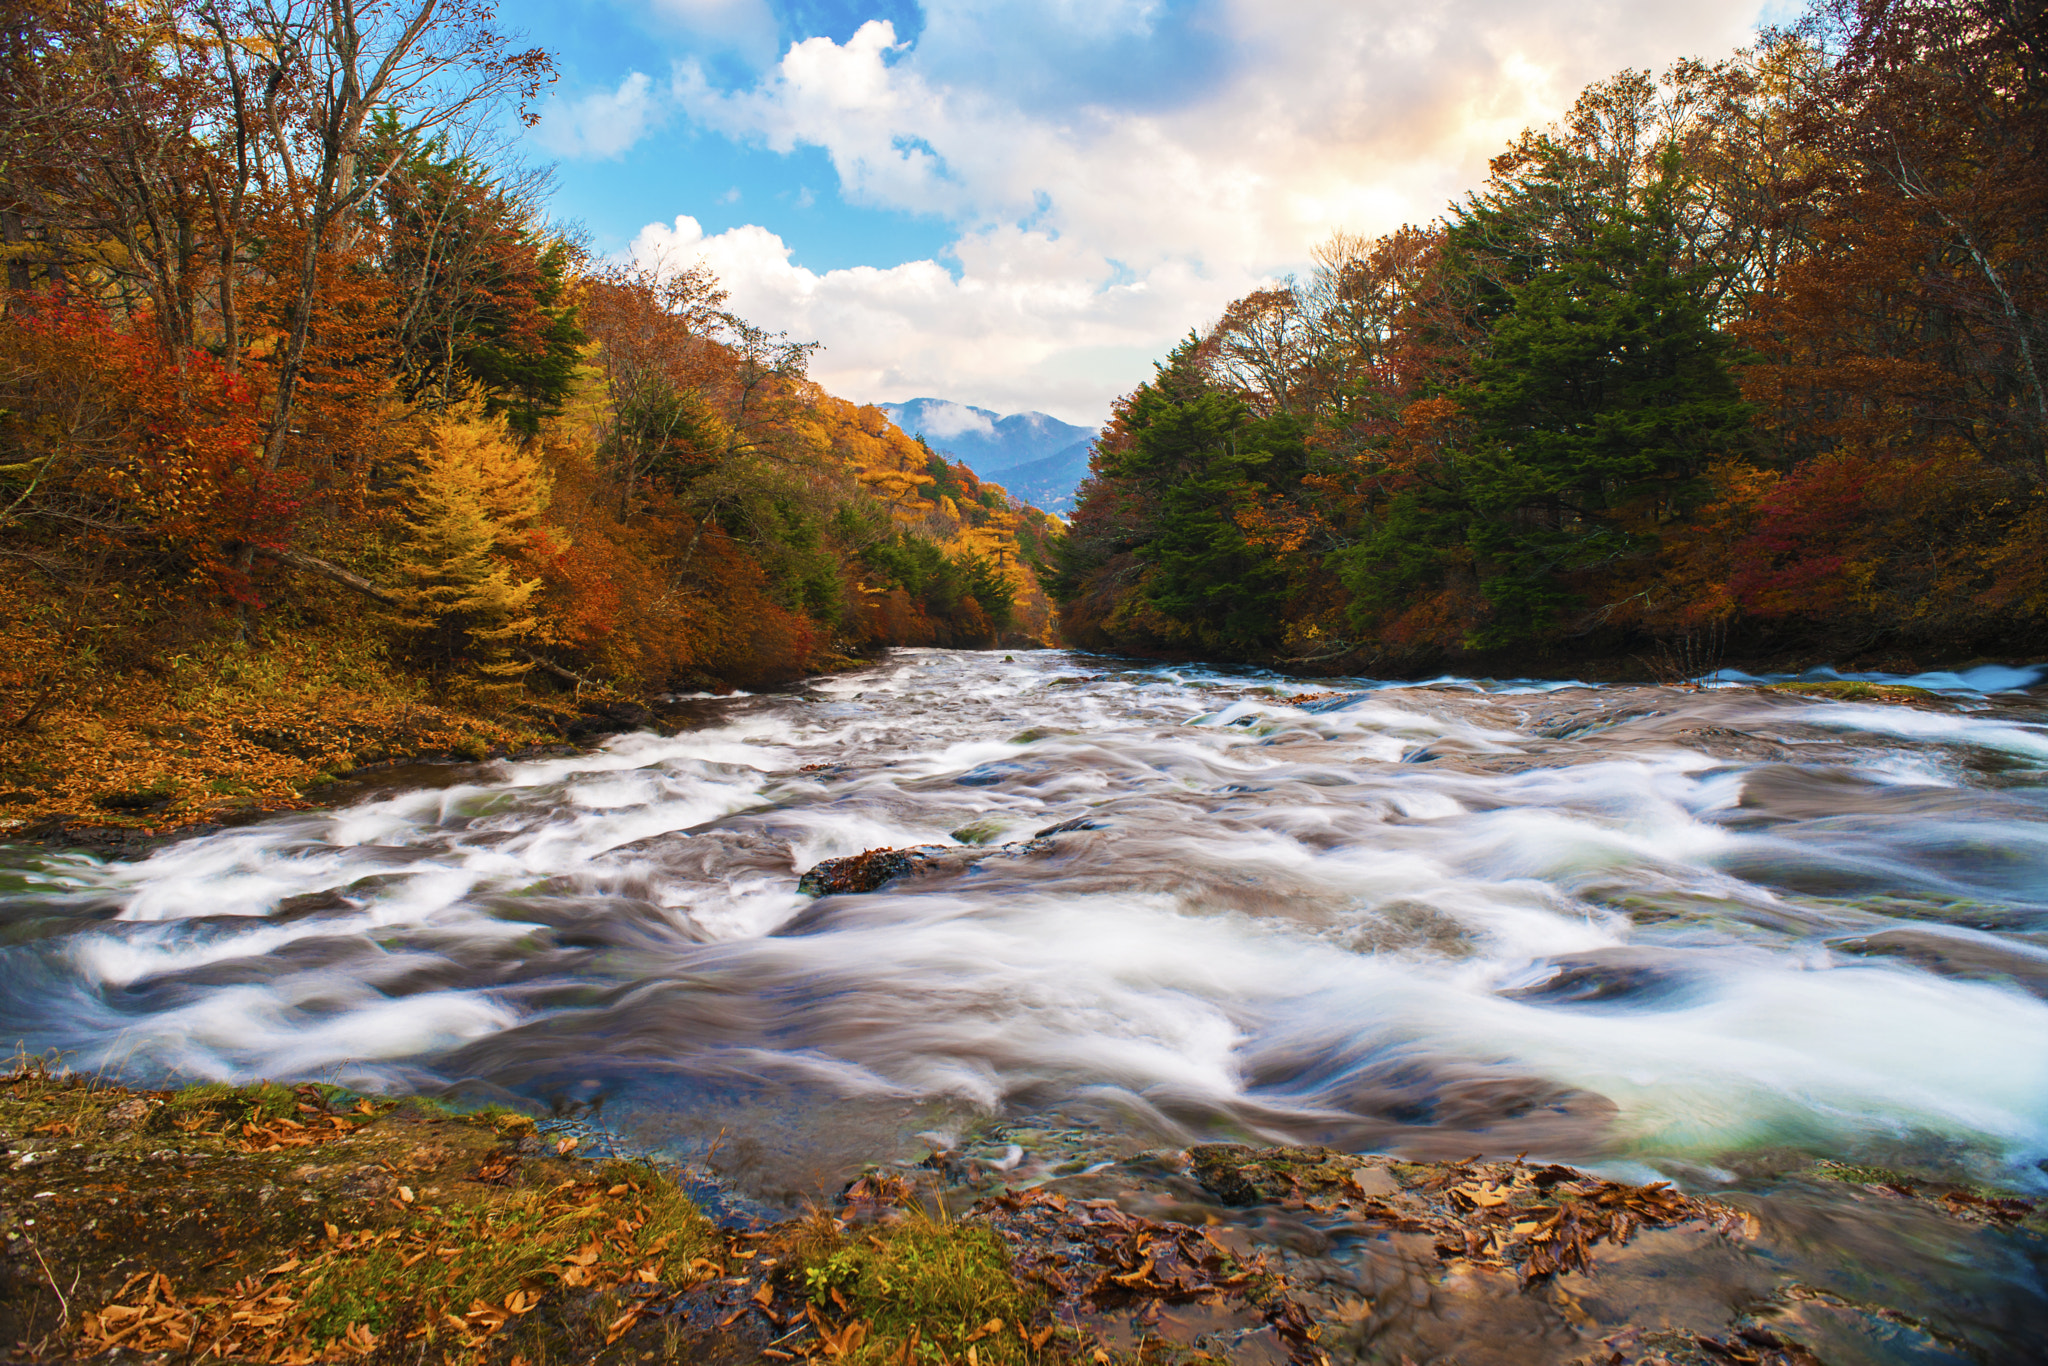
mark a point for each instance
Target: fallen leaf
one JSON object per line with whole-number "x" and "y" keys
{"x": 567, "y": 1145}
{"x": 1133, "y": 1277}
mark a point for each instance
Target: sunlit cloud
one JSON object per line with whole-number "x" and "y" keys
{"x": 1102, "y": 210}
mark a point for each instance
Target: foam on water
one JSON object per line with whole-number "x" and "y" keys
{"x": 1595, "y": 923}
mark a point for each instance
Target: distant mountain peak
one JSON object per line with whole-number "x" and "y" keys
{"x": 940, "y": 419}
{"x": 1048, "y": 457}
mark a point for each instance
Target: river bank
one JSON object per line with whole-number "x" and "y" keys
{"x": 272, "y": 1223}
{"x": 115, "y": 760}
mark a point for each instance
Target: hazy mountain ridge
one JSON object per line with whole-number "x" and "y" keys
{"x": 1035, "y": 456}
{"x": 1049, "y": 483}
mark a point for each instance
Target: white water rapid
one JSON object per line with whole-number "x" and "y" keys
{"x": 1636, "y": 927}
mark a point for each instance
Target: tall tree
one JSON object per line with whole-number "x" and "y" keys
{"x": 334, "y": 64}
{"x": 1603, "y": 394}
{"x": 478, "y": 289}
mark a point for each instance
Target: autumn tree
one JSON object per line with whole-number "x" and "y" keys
{"x": 472, "y": 528}
{"x": 479, "y": 289}
{"x": 334, "y": 65}
{"x": 656, "y": 359}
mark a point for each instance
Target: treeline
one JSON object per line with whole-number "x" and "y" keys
{"x": 288, "y": 340}
{"x": 1749, "y": 354}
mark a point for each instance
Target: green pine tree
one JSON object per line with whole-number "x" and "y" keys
{"x": 1601, "y": 393}
{"x": 1205, "y": 456}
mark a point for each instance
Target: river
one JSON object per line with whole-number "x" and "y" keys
{"x": 1662, "y": 933}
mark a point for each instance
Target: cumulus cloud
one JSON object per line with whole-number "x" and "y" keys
{"x": 1029, "y": 323}
{"x": 602, "y": 124}
{"x": 1119, "y": 170}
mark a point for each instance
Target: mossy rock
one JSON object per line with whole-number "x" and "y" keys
{"x": 1037, "y": 733}
{"x": 942, "y": 1280}
{"x": 1857, "y": 1174}
{"x": 1853, "y": 690}
{"x": 278, "y": 1226}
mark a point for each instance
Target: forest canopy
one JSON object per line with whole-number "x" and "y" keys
{"x": 1745, "y": 355}
{"x": 288, "y": 337}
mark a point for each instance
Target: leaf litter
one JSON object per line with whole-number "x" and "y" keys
{"x": 306, "y": 1224}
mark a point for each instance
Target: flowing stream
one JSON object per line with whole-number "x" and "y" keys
{"x": 1647, "y": 930}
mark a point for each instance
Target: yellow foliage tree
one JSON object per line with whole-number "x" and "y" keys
{"x": 475, "y": 505}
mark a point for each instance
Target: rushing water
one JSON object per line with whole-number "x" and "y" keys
{"x": 1626, "y": 927}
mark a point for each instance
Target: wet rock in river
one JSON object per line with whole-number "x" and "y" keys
{"x": 1535, "y": 1221}
{"x": 1238, "y": 1175}
{"x": 877, "y": 868}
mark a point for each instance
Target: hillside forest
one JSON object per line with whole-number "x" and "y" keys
{"x": 1745, "y": 361}
{"x": 322, "y": 444}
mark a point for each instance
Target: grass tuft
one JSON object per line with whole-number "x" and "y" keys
{"x": 922, "y": 1288}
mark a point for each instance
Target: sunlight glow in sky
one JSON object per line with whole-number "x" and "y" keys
{"x": 1021, "y": 204}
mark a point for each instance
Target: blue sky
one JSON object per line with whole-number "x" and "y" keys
{"x": 1020, "y": 203}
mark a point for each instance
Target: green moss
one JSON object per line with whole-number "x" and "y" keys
{"x": 932, "y": 1279}
{"x": 220, "y": 1102}
{"x": 447, "y": 1260}
{"x": 1851, "y": 690}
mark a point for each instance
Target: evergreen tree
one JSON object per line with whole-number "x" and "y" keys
{"x": 1599, "y": 394}
{"x": 1595, "y": 408}
{"x": 1203, "y": 457}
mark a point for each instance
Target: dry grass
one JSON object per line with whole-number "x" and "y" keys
{"x": 214, "y": 728}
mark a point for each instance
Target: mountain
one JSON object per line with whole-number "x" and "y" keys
{"x": 1037, "y": 457}
{"x": 1049, "y": 483}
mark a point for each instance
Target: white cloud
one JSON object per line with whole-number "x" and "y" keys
{"x": 1104, "y": 210}
{"x": 600, "y": 124}
{"x": 956, "y": 419}
{"x": 1031, "y": 323}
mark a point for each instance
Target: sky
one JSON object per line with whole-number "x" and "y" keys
{"x": 1021, "y": 204}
